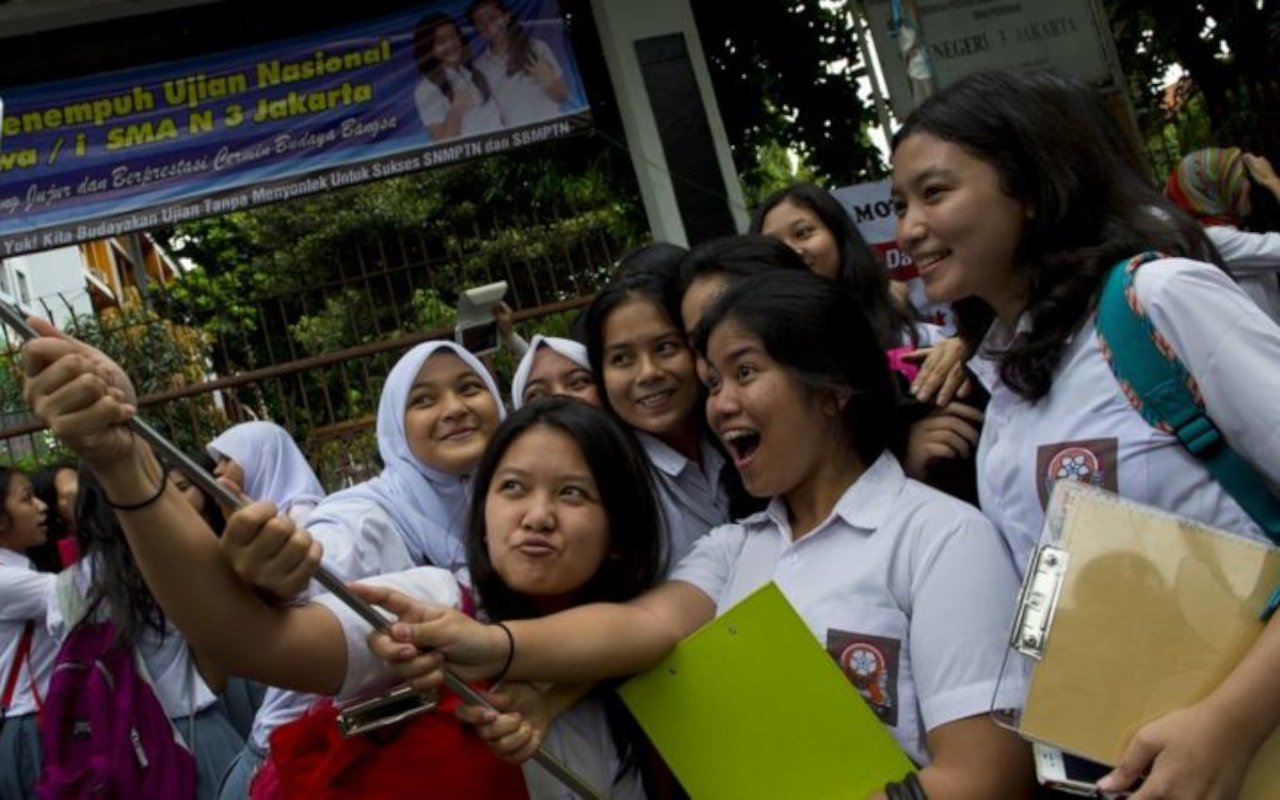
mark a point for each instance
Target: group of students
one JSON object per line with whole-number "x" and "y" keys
{"x": 517, "y": 80}
{"x": 728, "y": 416}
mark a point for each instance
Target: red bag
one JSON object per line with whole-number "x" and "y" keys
{"x": 433, "y": 755}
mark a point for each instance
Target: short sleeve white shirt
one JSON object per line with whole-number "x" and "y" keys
{"x": 1254, "y": 260}
{"x": 690, "y": 494}
{"x": 24, "y": 596}
{"x": 433, "y": 105}
{"x": 1085, "y": 429}
{"x": 911, "y": 592}
{"x": 519, "y": 96}
{"x": 579, "y": 738}
{"x": 368, "y": 543}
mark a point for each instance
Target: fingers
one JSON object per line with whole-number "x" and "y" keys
{"x": 45, "y": 328}
{"x": 1136, "y": 761}
{"x": 422, "y": 670}
{"x": 510, "y": 736}
{"x": 269, "y": 551}
{"x": 962, "y": 411}
{"x": 404, "y": 607}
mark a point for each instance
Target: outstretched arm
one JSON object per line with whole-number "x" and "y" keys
{"x": 580, "y": 645}
{"x": 87, "y": 400}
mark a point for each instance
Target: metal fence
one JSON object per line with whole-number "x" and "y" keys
{"x": 327, "y": 399}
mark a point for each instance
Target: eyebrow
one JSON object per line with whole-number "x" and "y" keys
{"x": 932, "y": 171}
{"x": 739, "y": 353}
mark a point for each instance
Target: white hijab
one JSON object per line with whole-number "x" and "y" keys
{"x": 428, "y": 506}
{"x": 274, "y": 468}
{"x": 574, "y": 351}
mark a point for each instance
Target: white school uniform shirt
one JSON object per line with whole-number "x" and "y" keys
{"x": 169, "y": 661}
{"x": 520, "y": 97}
{"x": 911, "y": 592}
{"x": 24, "y": 596}
{"x": 1254, "y": 260}
{"x": 433, "y": 105}
{"x": 579, "y": 738}
{"x": 367, "y": 543}
{"x": 1085, "y": 429}
{"x": 927, "y": 333}
{"x": 689, "y": 494}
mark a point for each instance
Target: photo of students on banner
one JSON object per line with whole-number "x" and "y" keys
{"x": 446, "y": 81}
{"x": 453, "y": 97}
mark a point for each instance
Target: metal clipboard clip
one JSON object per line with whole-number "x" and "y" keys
{"x": 1038, "y": 600}
{"x": 395, "y": 706}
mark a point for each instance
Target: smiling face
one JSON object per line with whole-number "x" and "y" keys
{"x": 446, "y": 45}
{"x": 649, "y": 373}
{"x": 23, "y": 524}
{"x": 773, "y": 426}
{"x": 547, "y": 532}
{"x": 492, "y": 21}
{"x": 802, "y": 230}
{"x": 957, "y": 223}
{"x": 552, "y": 373}
{"x": 450, "y": 415}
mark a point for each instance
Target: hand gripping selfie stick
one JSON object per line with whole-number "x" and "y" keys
{"x": 176, "y": 458}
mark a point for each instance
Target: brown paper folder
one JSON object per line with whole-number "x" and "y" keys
{"x": 1152, "y": 611}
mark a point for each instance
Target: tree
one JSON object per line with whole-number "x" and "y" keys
{"x": 785, "y": 77}
{"x": 1228, "y": 48}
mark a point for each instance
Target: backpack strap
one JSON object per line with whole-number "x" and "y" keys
{"x": 23, "y": 654}
{"x": 1167, "y": 396}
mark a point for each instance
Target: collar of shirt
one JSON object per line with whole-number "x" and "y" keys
{"x": 671, "y": 462}
{"x": 12, "y": 558}
{"x": 863, "y": 506}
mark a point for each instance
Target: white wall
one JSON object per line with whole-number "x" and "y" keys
{"x": 51, "y": 276}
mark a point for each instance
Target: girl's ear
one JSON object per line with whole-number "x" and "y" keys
{"x": 834, "y": 401}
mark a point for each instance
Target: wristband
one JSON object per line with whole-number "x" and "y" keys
{"x": 164, "y": 483}
{"x": 511, "y": 652}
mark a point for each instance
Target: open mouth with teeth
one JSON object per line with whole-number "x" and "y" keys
{"x": 742, "y": 442}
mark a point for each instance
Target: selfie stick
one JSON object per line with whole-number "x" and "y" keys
{"x": 175, "y": 457}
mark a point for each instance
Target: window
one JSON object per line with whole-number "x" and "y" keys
{"x": 24, "y": 289}
{"x": 6, "y": 288}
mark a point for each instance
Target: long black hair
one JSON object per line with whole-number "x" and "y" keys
{"x": 861, "y": 269}
{"x": 647, "y": 273}
{"x": 634, "y": 558}
{"x": 1059, "y": 153}
{"x": 814, "y": 328}
{"x": 424, "y": 38}
{"x": 519, "y": 45}
{"x": 117, "y": 581}
{"x": 735, "y": 257}
{"x": 46, "y": 557}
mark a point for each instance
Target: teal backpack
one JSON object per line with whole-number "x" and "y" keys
{"x": 1166, "y": 395}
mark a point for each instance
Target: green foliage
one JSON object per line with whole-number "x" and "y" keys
{"x": 158, "y": 356}
{"x": 785, "y": 78}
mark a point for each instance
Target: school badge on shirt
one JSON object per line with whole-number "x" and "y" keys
{"x": 1091, "y": 461}
{"x": 871, "y": 664}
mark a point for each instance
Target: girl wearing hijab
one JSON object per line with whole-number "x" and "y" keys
{"x": 552, "y": 366}
{"x": 438, "y": 410}
{"x": 1213, "y": 186}
{"x": 264, "y": 462}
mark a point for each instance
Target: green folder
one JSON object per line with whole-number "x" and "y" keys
{"x": 751, "y": 706}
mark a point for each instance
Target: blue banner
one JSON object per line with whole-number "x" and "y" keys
{"x": 109, "y": 154}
